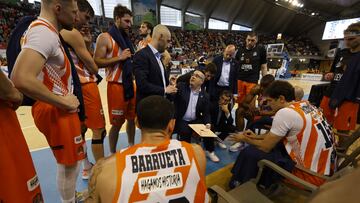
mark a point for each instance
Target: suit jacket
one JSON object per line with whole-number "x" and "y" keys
{"x": 218, "y": 61}
{"x": 220, "y": 120}
{"x": 148, "y": 76}
{"x": 182, "y": 100}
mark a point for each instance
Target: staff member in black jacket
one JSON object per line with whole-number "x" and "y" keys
{"x": 225, "y": 77}
{"x": 192, "y": 106}
{"x": 150, "y": 73}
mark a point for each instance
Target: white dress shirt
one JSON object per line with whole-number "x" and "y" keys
{"x": 225, "y": 74}
{"x": 190, "y": 113}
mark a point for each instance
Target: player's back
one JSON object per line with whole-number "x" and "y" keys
{"x": 159, "y": 173}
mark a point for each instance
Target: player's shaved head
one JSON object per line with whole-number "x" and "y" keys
{"x": 160, "y": 30}
{"x": 160, "y": 38}
{"x": 229, "y": 52}
{"x": 299, "y": 93}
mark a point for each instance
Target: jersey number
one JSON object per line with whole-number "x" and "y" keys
{"x": 326, "y": 132}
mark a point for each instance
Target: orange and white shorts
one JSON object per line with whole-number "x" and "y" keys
{"x": 119, "y": 109}
{"x": 93, "y": 108}
{"x": 62, "y": 132}
{"x": 244, "y": 88}
{"x": 346, "y": 116}
{"x": 19, "y": 182}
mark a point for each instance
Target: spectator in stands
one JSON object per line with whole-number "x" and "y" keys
{"x": 282, "y": 143}
{"x": 251, "y": 61}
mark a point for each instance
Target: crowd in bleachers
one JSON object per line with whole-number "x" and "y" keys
{"x": 194, "y": 46}
{"x": 10, "y": 14}
{"x": 192, "y": 42}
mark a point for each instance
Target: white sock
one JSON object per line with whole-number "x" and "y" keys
{"x": 66, "y": 181}
{"x": 86, "y": 163}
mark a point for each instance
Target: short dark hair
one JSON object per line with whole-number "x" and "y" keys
{"x": 149, "y": 26}
{"x": 252, "y": 34}
{"x": 226, "y": 93}
{"x": 155, "y": 112}
{"x": 211, "y": 67}
{"x": 85, "y": 6}
{"x": 120, "y": 11}
{"x": 266, "y": 80}
{"x": 283, "y": 88}
{"x": 354, "y": 27}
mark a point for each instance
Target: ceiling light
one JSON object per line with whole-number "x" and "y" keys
{"x": 312, "y": 13}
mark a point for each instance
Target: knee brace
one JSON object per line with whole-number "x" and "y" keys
{"x": 101, "y": 140}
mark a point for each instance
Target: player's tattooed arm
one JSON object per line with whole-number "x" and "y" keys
{"x": 93, "y": 193}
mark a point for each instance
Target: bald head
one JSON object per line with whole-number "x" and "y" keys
{"x": 161, "y": 37}
{"x": 299, "y": 93}
{"x": 229, "y": 52}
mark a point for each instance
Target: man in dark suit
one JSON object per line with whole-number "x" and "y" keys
{"x": 150, "y": 73}
{"x": 221, "y": 119}
{"x": 225, "y": 77}
{"x": 192, "y": 106}
{"x": 210, "y": 71}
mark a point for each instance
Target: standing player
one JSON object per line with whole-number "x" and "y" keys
{"x": 110, "y": 55}
{"x": 79, "y": 40}
{"x": 252, "y": 61}
{"x": 14, "y": 152}
{"x": 145, "y": 31}
{"x": 343, "y": 115}
{"x": 158, "y": 169}
{"x": 43, "y": 71}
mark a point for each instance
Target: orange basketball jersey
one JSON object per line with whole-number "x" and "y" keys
{"x": 56, "y": 78}
{"x": 313, "y": 146}
{"x": 84, "y": 75}
{"x": 159, "y": 173}
{"x": 114, "y": 73}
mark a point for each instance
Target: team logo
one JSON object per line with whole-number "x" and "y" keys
{"x": 117, "y": 112}
{"x": 33, "y": 183}
{"x": 78, "y": 139}
{"x": 247, "y": 60}
{"x": 255, "y": 53}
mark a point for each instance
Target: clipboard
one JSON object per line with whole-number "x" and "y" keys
{"x": 202, "y": 131}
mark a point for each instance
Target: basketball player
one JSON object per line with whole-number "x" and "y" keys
{"x": 145, "y": 32}
{"x": 42, "y": 71}
{"x": 343, "y": 116}
{"x": 158, "y": 169}
{"x": 299, "y": 134}
{"x": 252, "y": 61}
{"x": 17, "y": 184}
{"x": 79, "y": 39}
{"x": 109, "y": 55}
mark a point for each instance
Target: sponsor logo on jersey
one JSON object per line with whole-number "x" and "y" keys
{"x": 78, "y": 139}
{"x": 117, "y": 112}
{"x": 160, "y": 182}
{"x": 33, "y": 183}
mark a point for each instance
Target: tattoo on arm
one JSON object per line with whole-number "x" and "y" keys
{"x": 92, "y": 191}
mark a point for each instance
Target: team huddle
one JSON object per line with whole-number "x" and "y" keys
{"x": 57, "y": 70}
